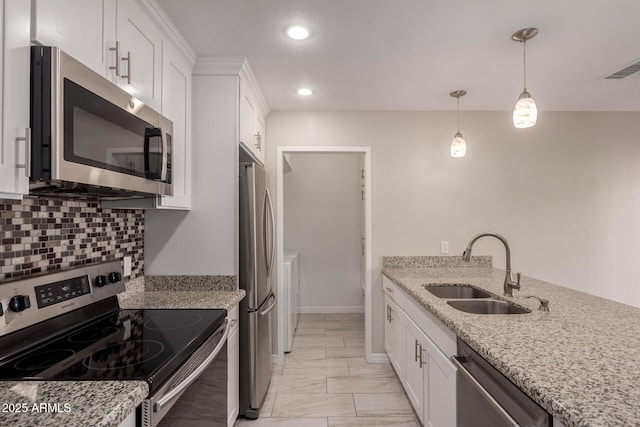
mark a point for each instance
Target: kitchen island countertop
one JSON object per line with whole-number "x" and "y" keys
{"x": 98, "y": 403}
{"x": 579, "y": 361}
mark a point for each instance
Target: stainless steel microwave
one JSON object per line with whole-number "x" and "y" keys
{"x": 90, "y": 137}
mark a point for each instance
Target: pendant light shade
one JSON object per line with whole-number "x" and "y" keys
{"x": 525, "y": 113}
{"x": 458, "y": 145}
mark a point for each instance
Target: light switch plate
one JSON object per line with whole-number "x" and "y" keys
{"x": 444, "y": 247}
{"x": 127, "y": 266}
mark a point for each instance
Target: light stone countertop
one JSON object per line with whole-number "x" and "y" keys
{"x": 183, "y": 299}
{"x": 102, "y": 403}
{"x": 580, "y": 361}
{"x": 71, "y": 403}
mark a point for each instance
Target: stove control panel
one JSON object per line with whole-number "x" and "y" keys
{"x": 34, "y": 299}
{"x": 64, "y": 290}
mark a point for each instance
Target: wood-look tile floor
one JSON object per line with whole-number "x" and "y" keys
{"x": 326, "y": 381}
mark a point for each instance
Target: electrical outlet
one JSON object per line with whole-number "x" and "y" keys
{"x": 127, "y": 266}
{"x": 444, "y": 247}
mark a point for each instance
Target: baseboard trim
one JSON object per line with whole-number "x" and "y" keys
{"x": 377, "y": 358}
{"x": 331, "y": 310}
{"x": 275, "y": 360}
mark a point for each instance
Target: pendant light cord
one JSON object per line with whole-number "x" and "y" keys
{"x": 458, "y": 98}
{"x": 524, "y": 63}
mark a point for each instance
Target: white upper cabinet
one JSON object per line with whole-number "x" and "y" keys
{"x": 115, "y": 38}
{"x": 85, "y": 29}
{"x": 252, "y": 114}
{"x": 134, "y": 45}
{"x": 176, "y": 106}
{"x": 140, "y": 51}
{"x": 14, "y": 92}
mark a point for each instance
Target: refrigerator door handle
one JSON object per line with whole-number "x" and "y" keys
{"x": 272, "y": 233}
{"x": 271, "y": 307}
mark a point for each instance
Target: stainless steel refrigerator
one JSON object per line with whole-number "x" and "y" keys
{"x": 257, "y": 250}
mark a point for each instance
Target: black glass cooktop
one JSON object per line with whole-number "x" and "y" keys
{"x": 125, "y": 345}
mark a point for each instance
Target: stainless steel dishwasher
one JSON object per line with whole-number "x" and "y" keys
{"x": 486, "y": 398}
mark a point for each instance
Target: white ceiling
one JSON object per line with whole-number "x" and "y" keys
{"x": 409, "y": 54}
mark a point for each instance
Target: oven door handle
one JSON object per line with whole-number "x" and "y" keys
{"x": 483, "y": 391}
{"x": 157, "y": 407}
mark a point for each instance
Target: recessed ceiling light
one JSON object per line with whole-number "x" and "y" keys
{"x": 304, "y": 91}
{"x": 298, "y": 33}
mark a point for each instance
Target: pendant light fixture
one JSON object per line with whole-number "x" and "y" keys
{"x": 525, "y": 113}
{"x": 458, "y": 145}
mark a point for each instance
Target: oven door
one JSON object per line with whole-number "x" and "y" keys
{"x": 196, "y": 394}
{"x": 86, "y": 130}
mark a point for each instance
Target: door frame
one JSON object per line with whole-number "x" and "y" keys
{"x": 281, "y": 151}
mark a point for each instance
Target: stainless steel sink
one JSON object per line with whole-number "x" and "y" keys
{"x": 487, "y": 307}
{"x": 455, "y": 290}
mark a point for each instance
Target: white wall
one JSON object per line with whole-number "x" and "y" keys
{"x": 203, "y": 241}
{"x": 322, "y": 218}
{"x": 565, "y": 193}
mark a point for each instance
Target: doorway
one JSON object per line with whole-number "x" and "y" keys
{"x": 362, "y": 237}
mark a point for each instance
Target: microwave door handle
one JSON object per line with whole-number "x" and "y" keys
{"x": 147, "y": 136}
{"x": 165, "y": 156}
{"x": 149, "y": 133}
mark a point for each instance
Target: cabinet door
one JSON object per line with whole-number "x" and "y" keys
{"x": 440, "y": 390}
{"x": 85, "y": 29}
{"x": 140, "y": 53}
{"x": 389, "y": 331}
{"x": 415, "y": 371}
{"x": 176, "y": 106}
{"x": 247, "y": 120}
{"x": 394, "y": 335}
{"x": 15, "y": 19}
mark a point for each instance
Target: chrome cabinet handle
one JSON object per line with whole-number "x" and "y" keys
{"x": 117, "y": 51}
{"x": 258, "y": 143}
{"x": 388, "y": 314}
{"x": 390, "y": 290}
{"x": 391, "y": 310}
{"x": 462, "y": 370}
{"x": 157, "y": 407}
{"x": 128, "y": 59}
{"x": 422, "y": 362}
{"x": 27, "y": 152}
{"x": 416, "y": 350}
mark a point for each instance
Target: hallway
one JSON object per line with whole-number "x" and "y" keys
{"x": 326, "y": 381}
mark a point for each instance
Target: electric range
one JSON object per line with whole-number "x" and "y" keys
{"x": 69, "y": 326}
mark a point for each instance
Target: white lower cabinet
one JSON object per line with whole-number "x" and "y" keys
{"x": 416, "y": 371}
{"x": 419, "y": 347}
{"x": 233, "y": 366}
{"x": 440, "y": 390}
{"x": 394, "y": 331}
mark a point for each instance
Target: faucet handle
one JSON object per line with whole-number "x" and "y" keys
{"x": 544, "y": 303}
{"x": 518, "y": 279}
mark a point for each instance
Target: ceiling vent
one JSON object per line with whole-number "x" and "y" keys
{"x": 625, "y": 72}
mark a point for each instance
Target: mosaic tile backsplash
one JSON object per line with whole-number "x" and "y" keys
{"x": 45, "y": 234}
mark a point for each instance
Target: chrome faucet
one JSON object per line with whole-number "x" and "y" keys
{"x": 509, "y": 283}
